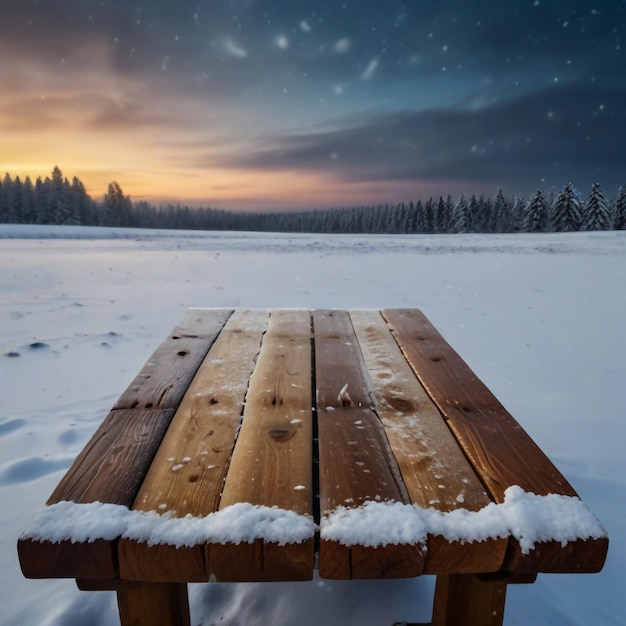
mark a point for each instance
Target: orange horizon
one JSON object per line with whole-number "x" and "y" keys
{"x": 101, "y": 127}
{"x": 236, "y": 191}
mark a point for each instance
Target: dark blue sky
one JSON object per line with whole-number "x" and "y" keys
{"x": 252, "y": 103}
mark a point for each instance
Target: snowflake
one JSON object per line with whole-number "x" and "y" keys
{"x": 282, "y": 42}
{"x": 343, "y": 45}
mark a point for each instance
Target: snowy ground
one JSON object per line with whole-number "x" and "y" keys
{"x": 539, "y": 318}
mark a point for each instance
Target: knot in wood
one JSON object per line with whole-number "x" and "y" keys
{"x": 399, "y": 403}
{"x": 281, "y": 434}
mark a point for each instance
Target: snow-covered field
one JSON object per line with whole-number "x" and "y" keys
{"x": 540, "y": 318}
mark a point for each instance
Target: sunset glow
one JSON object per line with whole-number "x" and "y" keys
{"x": 253, "y": 104}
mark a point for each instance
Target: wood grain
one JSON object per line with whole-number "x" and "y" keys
{"x": 112, "y": 465}
{"x": 109, "y": 469}
{"x": 153, "y": 604}
{"x": 161, "y": 563}
{"x": 188, "y": 471}
{"x": 227, "y": 562}
{"x": 356, "y": 463}
{"x": 500, "y": 451}
{"x": 433, "y": 467}
{"x": 271, "y": 462}
{"x": 43, "y": 559}
{"x": 464, "y": 599}
{"x": 165, "y": 377}
{"x": 583, "y": 556}
{"x": 125, "y": 464}
{"x": 427, "y": 453}
{"x": 398, "y": 413}
{"x": 272, "y": 459}
{"x": 95, "y": 475}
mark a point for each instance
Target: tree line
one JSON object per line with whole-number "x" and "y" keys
{"x": 56, "y": 200}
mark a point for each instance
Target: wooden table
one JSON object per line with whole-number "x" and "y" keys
{"x": 313, "y": 413}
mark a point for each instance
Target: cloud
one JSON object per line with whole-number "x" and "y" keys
{"x": 235, "y": 75}
{"x": 571, "y": 130}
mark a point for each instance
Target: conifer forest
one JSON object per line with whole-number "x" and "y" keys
{"x": 57, "y": 200}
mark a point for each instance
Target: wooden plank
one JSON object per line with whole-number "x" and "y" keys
{"x": 224, "y": 561}
{"x": 114, "y": 462}
{"x": 356, "y": 463}
{"x": 274, "y": 442}
{"x": 164, "y": 379}
{"x": 344, "y": 402}
{"x": 464, "y": 599}
{"x": 272, "y": 460}
{"x": 500, "y": 451}
{"x": 127, "y": 432}
{"x": 204, "y": 427}
{"x": 434, "y": 469}
{"x": 161, "y": 562}
{"x": 99, "y": 473}
{"x": 109, "y": 469}
{"x": 153, "y": 604}
{"x": 583, "y": 556}
{"x": 188, "y": 471}
{"x": 123, "y": 468}
{"x": 42, "y": 559}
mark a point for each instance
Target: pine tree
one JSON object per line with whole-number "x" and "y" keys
{"x": 536, "y": 214}
{"x": 418, "y": 218}
{"x": 6, "y": 192}
{"x": 396, "y": 218}
{"x": 28, "y": 202}
{"x": 117, "y": 207}
{"x": 450, "y": 214}
{"x": 502, "y": 213}
{"x": 517, "y": 214}
{"x": 62, "y": 208}
{"x": 488, "y": 212}
{"x": 461, "y": 217}
{"x": 619, "y": 210}
{"x": 428, "y": 216}
{"x": 409, "y": 217}
{"x": 58, "y": 202}
{"x": 442, "y": 218}
{"x": 481, "y": 211}
{"x": 474, "y": 214}
{"x": 42, "y": 201}
{"x": 567, "y": 211}
{"x": 15, "y": 202}
{"x": 597, "y": 213}
{"x": 11, "y": 200}
{"x": 82, "y": 202}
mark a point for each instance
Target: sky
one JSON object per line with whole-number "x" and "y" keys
{"x": 286, "y": 104}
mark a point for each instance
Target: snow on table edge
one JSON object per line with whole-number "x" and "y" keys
{"x": 238, "y": 523}
{"x": 529, "y": 518}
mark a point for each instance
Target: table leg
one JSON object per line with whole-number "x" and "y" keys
{"x": 462, "y": 599}
{"x": 153, "y": 604}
